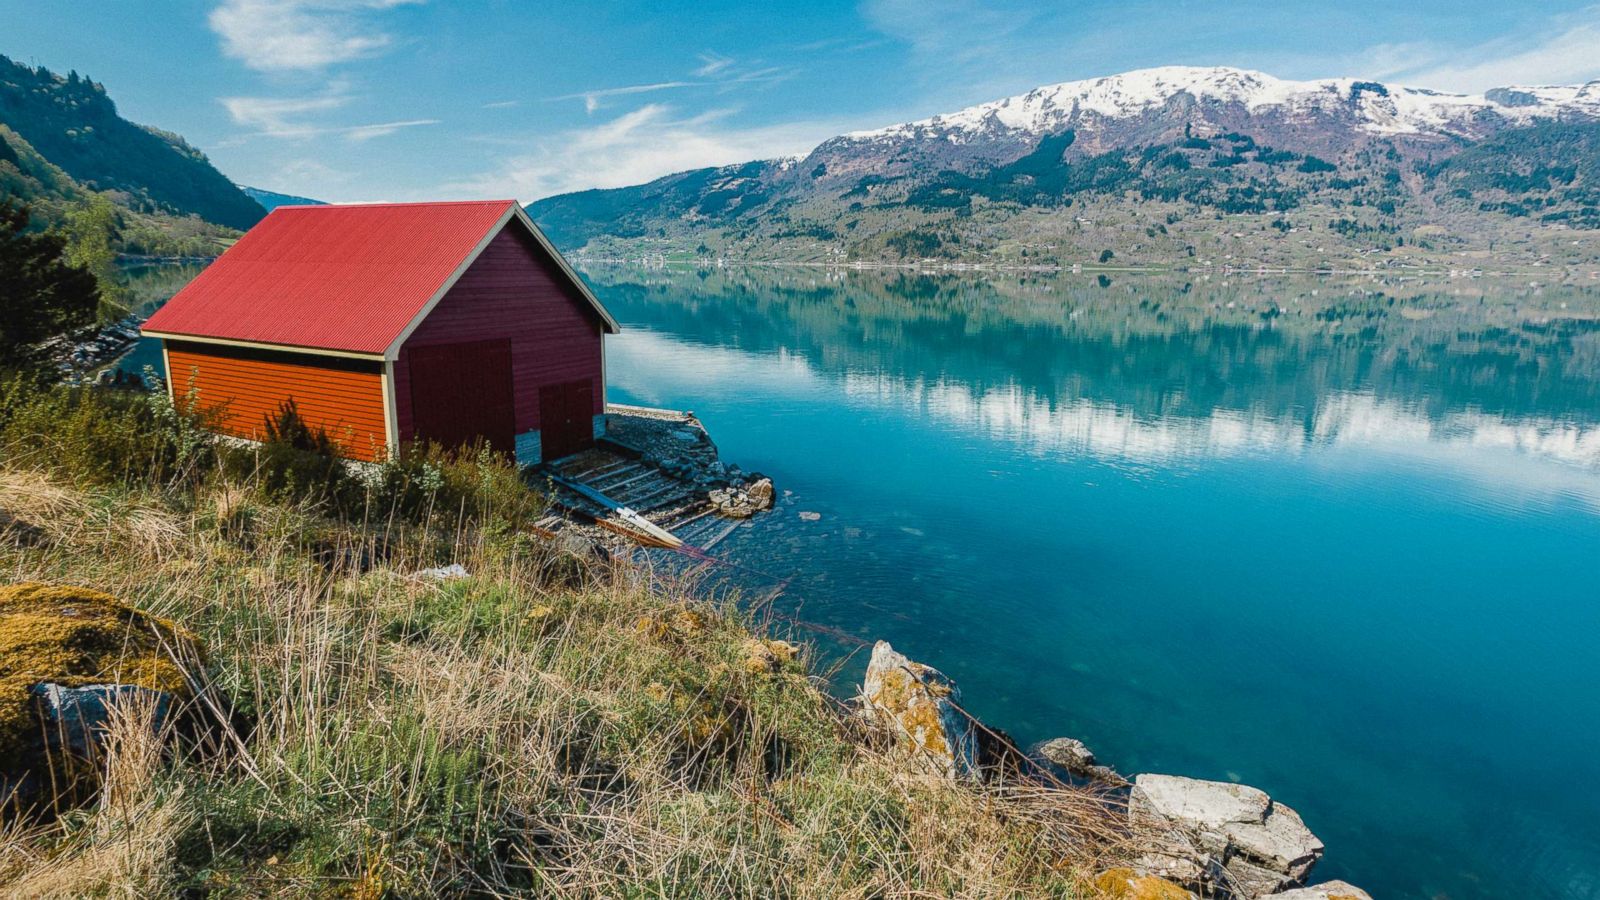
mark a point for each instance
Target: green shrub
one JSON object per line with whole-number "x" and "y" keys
{"x": 101, "y": 437}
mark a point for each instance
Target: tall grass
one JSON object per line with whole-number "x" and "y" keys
{"x": 540, "y": 728}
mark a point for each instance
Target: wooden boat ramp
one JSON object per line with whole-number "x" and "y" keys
{"x": 654, "y": 480}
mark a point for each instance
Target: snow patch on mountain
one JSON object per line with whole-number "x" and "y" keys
{"x": 1371, "y": 106}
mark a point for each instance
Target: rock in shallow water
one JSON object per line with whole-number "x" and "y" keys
{"x": 1328, "y": 890}
{"x": 1074, "y": 756}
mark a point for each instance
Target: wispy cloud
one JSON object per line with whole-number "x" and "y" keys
{"x": 294, "y": 117}
{"x": 277, "y": 35}
{"x": 956, "y": 31}
{"x": 636, "y": 147}
{"x": 591, "y": 99}
{"x": 715, "y": 71}
{"x": 279, "y": 115}
{"x": 712, "y": 63}
{"x": 1564, "y": 51}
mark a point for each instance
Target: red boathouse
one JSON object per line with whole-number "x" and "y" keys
{"x": 391, "y": 323}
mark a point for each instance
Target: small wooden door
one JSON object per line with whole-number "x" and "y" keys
{"x": 566, "y": 418}
{"x": 463, "y": 392}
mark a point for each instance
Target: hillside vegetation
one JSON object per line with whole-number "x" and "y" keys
{"x": 547, "y": 726}
{"x": 72, "y": 122}
{"x": 64, "y": 148}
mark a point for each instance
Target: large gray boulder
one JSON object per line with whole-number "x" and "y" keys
{"x": 919, "y": 705}
{"x": 1262, "y": 846}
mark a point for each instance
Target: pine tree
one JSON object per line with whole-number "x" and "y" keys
{"x": 41, "y": 295}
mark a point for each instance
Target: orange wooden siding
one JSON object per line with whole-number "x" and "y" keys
{"x": 247, "y": 387}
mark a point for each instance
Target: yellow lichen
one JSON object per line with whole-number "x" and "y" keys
{"x": 672, "y": 626}
{"x": 75, "y": 636}
{"x": 1125, "y": 884}
{"x": 762, "y": 657}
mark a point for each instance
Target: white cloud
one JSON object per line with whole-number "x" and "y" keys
{"x": 591, "y": 99}
{"x": 293, "y": 117}
{"x": 273, "y": 35}
{"x": 1566, "y": 51}
{"x": 279, "y": 116}
{"x": 639, "y": 146}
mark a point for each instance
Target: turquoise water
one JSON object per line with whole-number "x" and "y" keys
{"x": 1336, "y": 540}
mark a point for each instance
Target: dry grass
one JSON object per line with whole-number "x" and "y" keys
{"x": 539, "y": 728}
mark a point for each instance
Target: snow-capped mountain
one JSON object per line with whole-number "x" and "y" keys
{"x": 1226, "y": 138}
{"x": 1156, "y": 105}
{"x": 1367, "y": 105}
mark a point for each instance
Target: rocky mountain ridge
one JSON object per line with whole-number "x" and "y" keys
{"x": 1369, "y": 162}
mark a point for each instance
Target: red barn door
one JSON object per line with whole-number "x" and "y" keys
{"x": 566, "y": 418}
{"x": 463, "y": 392}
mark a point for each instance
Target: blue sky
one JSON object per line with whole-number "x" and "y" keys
{"x": 408, "y": 99}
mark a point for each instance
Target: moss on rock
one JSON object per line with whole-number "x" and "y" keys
{"x": 1126, "y": 884}
{"x": 74, "y": 636}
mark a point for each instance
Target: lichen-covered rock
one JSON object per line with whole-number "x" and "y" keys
{"x": 1263, "y": 846}
{"x": 919, "y": 704}
{"x": 66, "y": 654}
{"x": 1328, "y": 890}
{"x": 77, "y": 716}
{"x": 1126, "y": 884}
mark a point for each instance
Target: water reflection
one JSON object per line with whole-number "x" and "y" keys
{"x": 1319, "y": 536}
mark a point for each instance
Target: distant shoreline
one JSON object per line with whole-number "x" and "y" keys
{"x": 1095, "y": 268}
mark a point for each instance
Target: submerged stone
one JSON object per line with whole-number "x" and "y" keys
{"x": 1328, "y": 890}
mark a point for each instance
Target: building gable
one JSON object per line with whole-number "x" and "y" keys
{"x": 514, "y": 290}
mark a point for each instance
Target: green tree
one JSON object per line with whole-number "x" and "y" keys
{"x": 41, "y": 294}
{"x": 91, "y": 232}
{"x": 1106, "y": 256}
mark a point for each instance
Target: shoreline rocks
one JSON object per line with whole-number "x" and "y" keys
{"x": 1218, "y": 839}
{"x": 1241, "y": 840}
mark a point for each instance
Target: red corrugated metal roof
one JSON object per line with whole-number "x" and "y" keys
{"x": 345, "y": 278}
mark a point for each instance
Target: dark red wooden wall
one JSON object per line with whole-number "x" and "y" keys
{"x": 513, "y": 291}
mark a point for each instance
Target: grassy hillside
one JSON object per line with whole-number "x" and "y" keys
{"x": 547, "y": 726}
{"x": 72, "y": 123}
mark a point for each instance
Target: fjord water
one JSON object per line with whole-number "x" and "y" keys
{"x": 1338, "y": 540}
